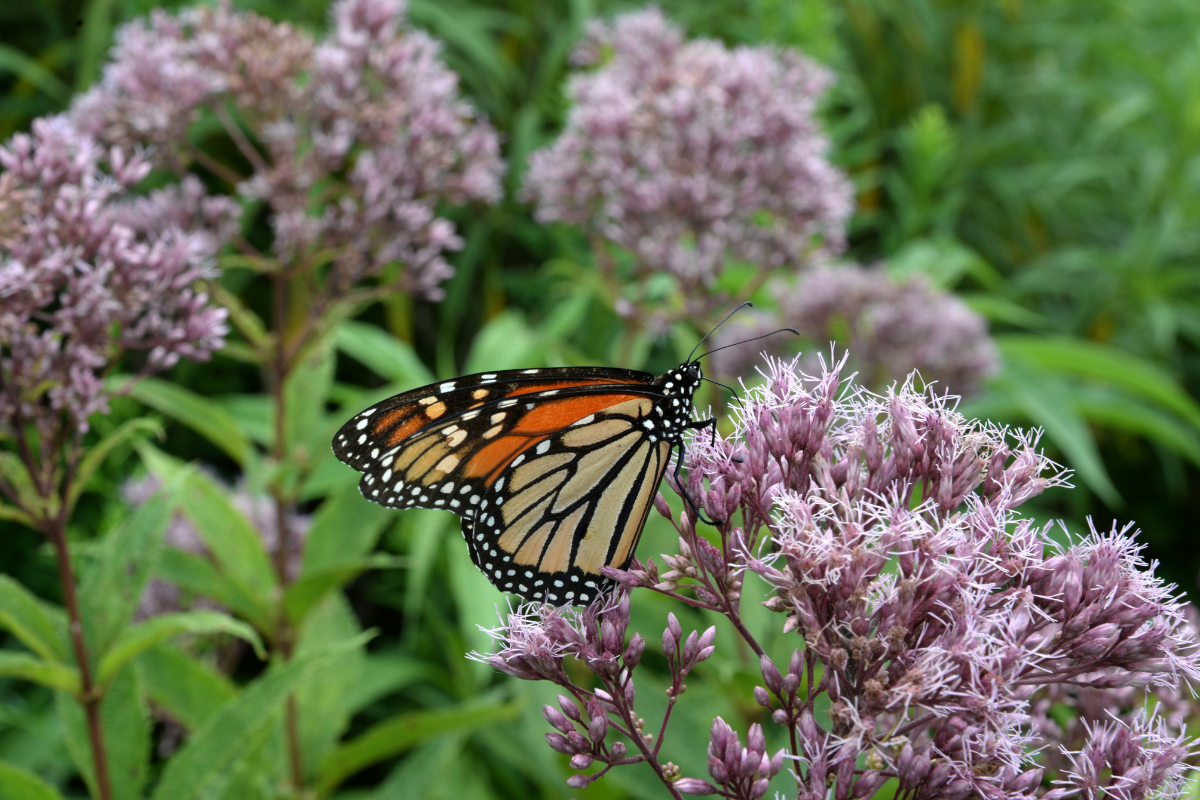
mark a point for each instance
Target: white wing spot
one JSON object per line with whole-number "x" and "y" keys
{"x": 362, "y": 438}
{"x": 448, "y": 488}
{"x": 506, "y": 403}
{"x": 489, "y": 376}
{"x": 362, "y": 423}
{"x": 531, "y": 372}
{"x": 543, "y": 447}
{"x": 375, "y": 453}
{"x": 466, "y": 488}
{"x": 499, "y": 417}
{"x": 586, "y": 420}
{"x": 517, "y": 460}
{"x": 499, "y": 484}
{"x": 474, "y": 499}
{"x": 446, "y": 387}
{"x": 368, "y": 412}
{"x": 387, "y": 476}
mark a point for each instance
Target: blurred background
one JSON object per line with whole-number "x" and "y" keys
{"x": 1025, "y": 230}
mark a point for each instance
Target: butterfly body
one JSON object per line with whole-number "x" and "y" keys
{"x": 553, "y": 471}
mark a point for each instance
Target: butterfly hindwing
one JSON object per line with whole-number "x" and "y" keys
{"x": 575, "y": 503}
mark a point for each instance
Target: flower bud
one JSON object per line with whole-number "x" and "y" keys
{"x": 559, "y": 743}
{"x": 617, "y": 750}
{"x": 598, "y": 728}
{"x": 581, "y": 761}
{"x": 694, "y": 786}
{"x": 770, "y": 673}
{"x": 568, "y": 707}
{"x": 579, "y": 781}
{"x": 762, "y": 697}
{"x": 633, "y": 653}
{"x": 556, "y": 719}
{"x": 759, "y": 788}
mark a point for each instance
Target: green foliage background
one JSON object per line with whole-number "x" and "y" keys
{"x": 1038, "y": 158}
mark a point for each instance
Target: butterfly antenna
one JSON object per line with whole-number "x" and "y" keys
{"x": 719, "y": 324}
{"x": 747, "y": 341}
{"x": 730, "y": 389}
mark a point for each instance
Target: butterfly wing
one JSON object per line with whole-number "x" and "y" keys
{"x": 577, "y": 502}
{"x": 562, "y": 447}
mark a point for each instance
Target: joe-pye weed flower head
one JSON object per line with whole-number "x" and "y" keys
{"x": 892, "y": 327}
{"x": 88, "y": 272}
{"x": 689, "y": 155}
{"x": 352, "y": 141}
{"x": 927, "y": 614}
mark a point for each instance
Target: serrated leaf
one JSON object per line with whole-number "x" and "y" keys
{"x": 199, "y": 413}
{"x": 190, "y": 690}
{"x": 95, "y": 456}
{"x": 232, "y": 539}
{"x": 126, "y": 725}
{"x": 345, "y": 529}
{"x": 383, "y": 353}
{"x": 198, "y": 576}
{"x": 220, "y": 741}
{"x": 54, "y": 674}
{"x": 112, "y": 584}
{"x": 38, "y": 625}
{"x": 19, "y": 784}
{"x": 313, "y": 586}
{"x": 139, "y": 638}
{"x": 305, "y": 395}
{"x": 396, "y": 735}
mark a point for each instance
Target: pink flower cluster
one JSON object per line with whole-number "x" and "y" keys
{"x": 352, "y": 141}
{"x": 930, "y": 617}
{"x": 891, "y": 327}
{"x": 690, "y": 155}
{"x": 88, "y": 271}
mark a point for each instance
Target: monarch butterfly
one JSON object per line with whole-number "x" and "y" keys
{"x": 553, "y": 471}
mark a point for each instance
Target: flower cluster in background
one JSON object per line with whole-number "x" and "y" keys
{"x": 351, "y": 141}
{"x": 690, "y": 155}
{"x": 892, "y": 327}
{"x": 88, "y": 272}
{"x": 928, "y": 613}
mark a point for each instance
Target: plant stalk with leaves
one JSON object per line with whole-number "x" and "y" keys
{"x": 89, "y": 274}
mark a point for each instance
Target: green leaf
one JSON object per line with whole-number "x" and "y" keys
{"x": 183, "y": 685}
{"x": 38, "y": 670}
{"x": 248, "y": 324}
{"x": 126, "y": 726}
{"x": 383, "y": 353}
{"x": 506, "y": 342}
{"x": 1111, "y": 408}
{"x": 1047, "y": 401}
{"x": 1105, "y": 364}
{"x": 38, "y": 625}
{"x": 199, "y": 413}
{"x": 130, "y": 430}
{"x": 321, "y": 700}
{"x": 112, "y": 585}
{"x": 305, "y": 395}
{"x": 198, "y": 576}
{"x": 32, "y": 72}
{"x": 232, "y": 539}
{"x": 943, "y": 261}
{"x": 383, "y": 674}
{"x": 392, "y": 737}
{"x": 313, "y": 586}
{"x": 218, "y": 743}
{"x": 137, "y": 639}
{"x": 345, "y": 529}
{"x": 17, "y": 784}
{"x": 95, "y": 35}
{"x": 13, "y": 471}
